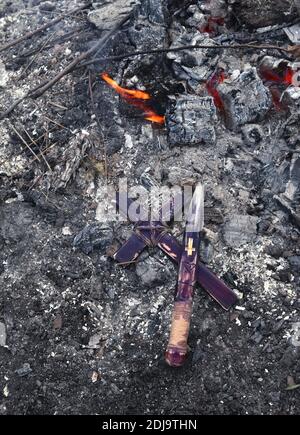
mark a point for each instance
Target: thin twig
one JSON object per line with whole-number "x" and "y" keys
{"x": 41, "y": 152}
{"x": 34, "y": 58}
{"x": 56, "y": 123}
{"x": 58, "y": 106}
{"x": 58, "y": 40}
{"x": 24, "y": 141}
{"x": 41, "y": 28}
{"x": 186, "y": 47}
{"x": 44, "y": 151}
{"x": 98, "y": 124}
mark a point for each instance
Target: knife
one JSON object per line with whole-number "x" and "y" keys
{"x": 177, "y": 348}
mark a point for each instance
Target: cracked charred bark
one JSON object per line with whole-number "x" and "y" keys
{"x": 261, "y": 13}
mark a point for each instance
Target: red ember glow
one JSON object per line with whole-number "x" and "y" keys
{"x": 276, "y": 96}
{"x": 211, "y": 86}
{"x": 285, "y": 78}
{"x": 272, "y": 79}
{"x": 136, "y": 98}
{"x": 212, "y": 24}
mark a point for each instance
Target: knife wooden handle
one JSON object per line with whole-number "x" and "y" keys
{"x": 177, "y": 349}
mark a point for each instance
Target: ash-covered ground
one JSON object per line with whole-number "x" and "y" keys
{"x": 80, "y": 334}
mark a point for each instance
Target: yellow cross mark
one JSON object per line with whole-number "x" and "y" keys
{"x": 189, "y": 247}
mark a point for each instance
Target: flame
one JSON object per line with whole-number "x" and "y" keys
{"x": 139, "y": 95}
{"x": 211, "y": 86}
{"x": 137, "y": 98}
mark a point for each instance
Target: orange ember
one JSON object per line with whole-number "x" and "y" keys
{"x": 211, "y": 87}
{"x": 136, "y": 98}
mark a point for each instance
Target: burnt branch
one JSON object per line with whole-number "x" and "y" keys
{"x": 188, "y": 47}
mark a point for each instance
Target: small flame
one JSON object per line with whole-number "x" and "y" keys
{"x": 137, "y": 98}
{"x": 211, "y": 86}
{"x": 139, "y": 95}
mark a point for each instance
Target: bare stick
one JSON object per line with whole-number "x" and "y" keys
{"x": 187, "y": 47}
{"x": 34, "y": 58}
{"x": 24, "y": 142}
{"x": 41, "y": 152}
{"x": 41, "y": 28}
{"x": 98, "y": 124}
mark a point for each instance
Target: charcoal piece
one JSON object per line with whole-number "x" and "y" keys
{"x": 215, "y": 8}
{"x": 24, "y": 370}
{"x": 2, "y": 334}
{"x": 293, "y": 32}
{"x": 291, "y": 97}
{"x": 198, "y": 19}
{"x": 240, "y": 229}
{"x": 47, "y": 6}
{"x": 149, "y": 30}
{"x": 107, "y": 15}
{"x": 146, "y": 37}
{"x": 16, "y": 222}
{"x": 245, "y": 99}
{"x": 151, "y": 272}
{"x": 252, "y": 134}
{"x": 190, "y": 121}
{"x": 3, "y": 75}
{"x": 292, "y": 191}
{"x": 93, "y": 236}
{"x": 295, "y": 263}
{"x": 256, "y": 14}
{"x": 195, "y": 66}
{"x": 155, "y": 11}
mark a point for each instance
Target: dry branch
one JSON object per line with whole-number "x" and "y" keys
{"x": 189, "y": 47}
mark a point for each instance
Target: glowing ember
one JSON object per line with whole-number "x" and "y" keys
{"x": 272, "y": 79}
{"x": 276, "y": 96}
{"x": 212, "y": 24}
{"x": 136, "y": 98}
{"x": 285, "y": 78}
{"x": 288, "y": 76}
{"x": 211, "y": 86}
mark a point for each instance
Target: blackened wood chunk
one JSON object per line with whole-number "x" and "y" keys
{"x": 245, "y": 99}
{"x": 190, "y": 121}
{"x": 257, "y": 13}
{"x": 105, "y": 16}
